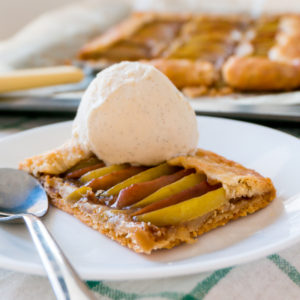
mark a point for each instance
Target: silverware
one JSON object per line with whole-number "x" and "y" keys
{"x": 23, "y": 198}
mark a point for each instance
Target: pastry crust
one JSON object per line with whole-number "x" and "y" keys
{"x": 290, "y": 24}
{"x": 237, "y": 180}
{"x": 260, "y": 74}
{"x": 246, "y": 190}
{"x": 287, "y": 48}
{"x": 184, "y": 72}
{"x": 56, "y": 161}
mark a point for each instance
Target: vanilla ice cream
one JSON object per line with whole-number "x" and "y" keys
{"x": 132, "y": 113}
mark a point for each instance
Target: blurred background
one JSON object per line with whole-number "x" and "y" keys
{"x": 41, "y": 33}
{"x": 14, "y": 14}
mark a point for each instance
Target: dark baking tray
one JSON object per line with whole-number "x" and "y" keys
{"x": 289, "y": 113}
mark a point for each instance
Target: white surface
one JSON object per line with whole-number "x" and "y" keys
{"x": 272, "y": 153}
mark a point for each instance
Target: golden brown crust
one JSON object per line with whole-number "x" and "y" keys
{"x": 237, "y": 180}
{"x": 124, "y": 30}
{"x": 290, "y": 24}
{"x": 248, "y": 207}
{"x": 287, "y": 48}
{"x": 184, "y": 72}
{"x": 55, "y": 161}
{"x": 260, "y": 74}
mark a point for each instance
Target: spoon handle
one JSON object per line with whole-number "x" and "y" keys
{"x": 65, "y": 282}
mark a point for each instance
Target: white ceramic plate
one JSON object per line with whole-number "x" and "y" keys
{"x": 270, "y": 152}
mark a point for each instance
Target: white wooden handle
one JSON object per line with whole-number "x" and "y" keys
{"x": 39, "y": 77}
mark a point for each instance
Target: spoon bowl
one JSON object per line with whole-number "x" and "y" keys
{"x": 21, "y": 193}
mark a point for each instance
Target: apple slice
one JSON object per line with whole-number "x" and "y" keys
{"x": 151, "y": 174}
{"x": 77, "y": 194}
{"x": 193, "y": 192}
{"x": 107, "y": 181}
{"x": 101, "y": 172}
{"x": 186, "y": 210}
{"x": 78, "y": 173}
{"x": 139, "y": 191}
{"x": 83, "y": 164}
{"x": 171, "y": 189}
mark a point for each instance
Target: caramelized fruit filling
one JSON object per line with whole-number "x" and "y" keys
{"x": 148, "y": 42}
{"x": 162, "y": 195}
{"x": 207, "y": 38}
{"x": 111, "y": 179}
{"x": 193, "y": 192}
{"x": 265, "y": 31}
{"x": 137, "y": 192}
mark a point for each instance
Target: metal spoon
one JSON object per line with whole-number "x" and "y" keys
{"x": 22, "y": 197}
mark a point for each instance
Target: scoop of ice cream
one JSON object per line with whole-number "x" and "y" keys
{"x": 132, "y": 113}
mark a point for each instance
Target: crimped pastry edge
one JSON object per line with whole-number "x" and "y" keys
{"x": 237, "y": 180}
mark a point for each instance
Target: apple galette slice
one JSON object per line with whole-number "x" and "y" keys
{"x": 148, "y": 208}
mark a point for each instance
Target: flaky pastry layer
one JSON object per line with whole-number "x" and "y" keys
{"x": 237, "y": 180}
{"x": 56, "y": 161}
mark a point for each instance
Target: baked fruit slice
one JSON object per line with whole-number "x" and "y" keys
{"x": 142, "y": 36}
{"x": 208, "y": 37}
{"x": 149, "y": 208}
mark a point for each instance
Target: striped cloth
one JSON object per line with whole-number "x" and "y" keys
{"x": 276, "y": 277}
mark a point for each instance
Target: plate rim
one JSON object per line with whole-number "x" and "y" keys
{"x": 158, "y": 271}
